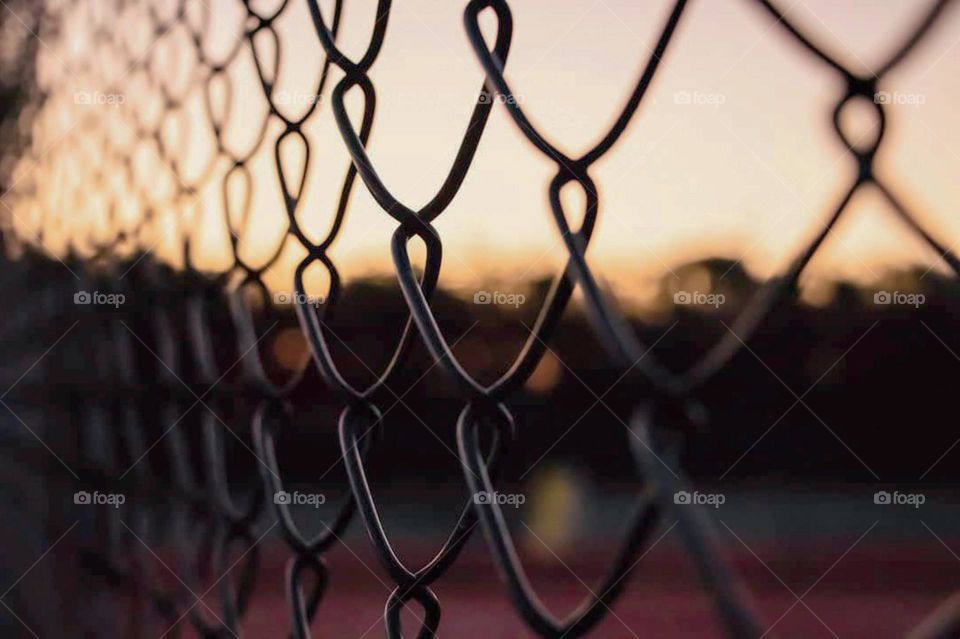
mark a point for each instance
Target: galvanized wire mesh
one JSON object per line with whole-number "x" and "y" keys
{"x": 124, "y": 409}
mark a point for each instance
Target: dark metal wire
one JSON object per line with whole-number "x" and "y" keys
{"x": 209, "y": 518}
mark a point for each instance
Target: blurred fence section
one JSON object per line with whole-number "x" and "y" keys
{"x": 156, "y": 376}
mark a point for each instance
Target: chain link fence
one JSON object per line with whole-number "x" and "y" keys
{"x": 156, "y": 430}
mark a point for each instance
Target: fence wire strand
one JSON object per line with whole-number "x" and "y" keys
{"x": 214, "y": 527}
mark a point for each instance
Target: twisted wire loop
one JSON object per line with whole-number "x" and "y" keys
{"x": 626, "y": 351}
{"x": 361, "y": 414}
{"x": 663, "y": 411}
{"x": 162, "y": 414}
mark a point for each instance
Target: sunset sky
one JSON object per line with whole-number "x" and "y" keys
{"x": 747, "y": 173}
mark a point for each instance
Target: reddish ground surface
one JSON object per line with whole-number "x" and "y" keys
{"x": 878, "y": 589}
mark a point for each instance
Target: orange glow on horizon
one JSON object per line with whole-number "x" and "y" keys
{"x": 731, "y": 154}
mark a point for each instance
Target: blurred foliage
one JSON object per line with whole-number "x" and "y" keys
{"x": 834, "y": 391}
{"x": 19, "y": 99}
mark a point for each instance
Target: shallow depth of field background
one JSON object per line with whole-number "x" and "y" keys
{"x": 837, "y": 398}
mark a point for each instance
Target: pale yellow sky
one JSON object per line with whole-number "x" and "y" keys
{"x": 747, "y": 170}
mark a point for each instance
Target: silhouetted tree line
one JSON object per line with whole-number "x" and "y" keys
{"x": 834, "y": 392}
